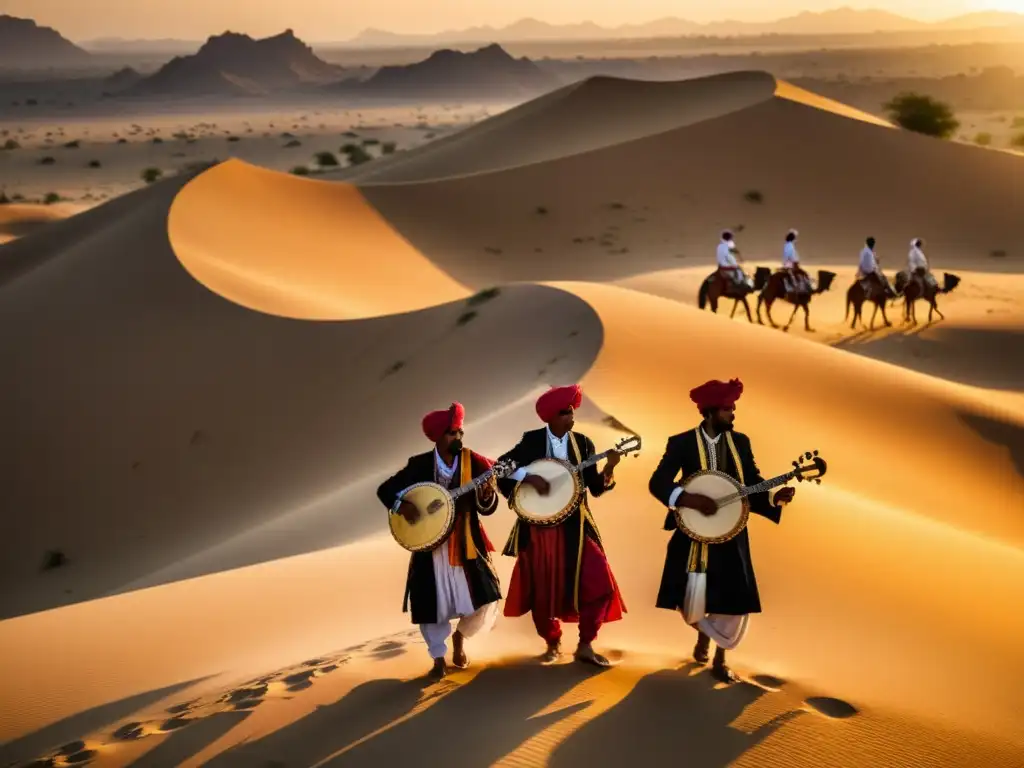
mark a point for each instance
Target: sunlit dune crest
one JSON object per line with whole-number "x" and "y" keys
{"x": 784, "y": 90}
{"x": 231, "y": 595}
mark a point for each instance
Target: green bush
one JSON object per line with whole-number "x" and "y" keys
{"x": 921, "y": 113}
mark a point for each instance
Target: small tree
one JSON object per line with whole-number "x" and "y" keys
{"x": 1017, "y": 141}
{"x": 388, "y": 147}
{"x": 983, "y": 139}
{"x": 325, "y": 159}
{"x": 920, "y": 113}
{"x": 150, "y": 175}
{"x": 50, "y": 198}
{"x": 356, "y": 154}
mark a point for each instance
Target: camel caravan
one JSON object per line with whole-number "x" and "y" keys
{"x": 793, "y": 285}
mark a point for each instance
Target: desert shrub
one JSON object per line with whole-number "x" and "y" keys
{"x": 4, "y": 199}
{"x": 1018, "y": 122}
{"x": 151, "y": 175}
{"x": 371, "y": 142}
{"x": 1017, "y": 140}
{"x": 300, "y": 170}
{"x": 983, "y": 139}
{"x": 483, "y": 296}
{"x": 921, "y": 113}
{"x": 293, "y": 143}
{"x": 234, "y": 138}
{"x": 11, "y": 144}
{"x": 356, "y": 154}
{"x": 326, "y": 159}
{"x": 73, "y": 144}
{"x": 50, "y": 198}
{"x": 540, "y": 209}
{"x": 388, "y": 147}
{"x": 157, "y": 140}
{"x": 48, "y": 160}
{"x": 753, "y": 196}
{"x": 998, "y": 253}
{"x": 95, "y": 163}
{"x": 465, "y": 317}
{"x": 122, "y": 141}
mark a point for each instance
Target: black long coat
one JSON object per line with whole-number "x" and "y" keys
{"x": 731, "y": 586}
{"x": 420, "y": 587}
{"x": 532, "y": 446}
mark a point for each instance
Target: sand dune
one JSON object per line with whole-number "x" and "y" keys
{"x": 211, "y": 380}
{"x": 18, "y": 220}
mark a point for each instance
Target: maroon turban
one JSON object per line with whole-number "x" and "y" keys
{"x": 558, "y": 399}
{"x": 436, "y": 423}
{"x": 717, "y": 394}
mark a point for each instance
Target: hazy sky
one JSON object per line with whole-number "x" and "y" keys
{"x": 323, "y": 20}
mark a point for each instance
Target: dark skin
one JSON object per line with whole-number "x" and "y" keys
{"x": 447, "y": 454}
{"x": 716, "y": 421}
{"x": 560, "y": 426}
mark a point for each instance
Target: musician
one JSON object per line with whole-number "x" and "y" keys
{"x": 561, "y": 573}
{"x": 731, "y": 589}
{"x": 457, "y": 579}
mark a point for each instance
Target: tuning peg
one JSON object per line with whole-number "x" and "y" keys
{"x": 807, "y": 455}
{"x": 817, "y": 481}
{"x": 815, "y": 453}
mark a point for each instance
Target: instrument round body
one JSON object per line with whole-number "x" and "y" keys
{"x": 436, "y": 520}
{"x": 562, "y": 499}
{"x": 727, "y": 522}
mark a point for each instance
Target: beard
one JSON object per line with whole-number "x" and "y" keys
{"x": 455, "y": 447}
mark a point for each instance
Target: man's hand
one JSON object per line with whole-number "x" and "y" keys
{"x": 538, "y": 483}
{"x": 613, "y": 459}
{"x": 486, "y": 493}
{"x": 784, "y": 495}
{"x": 409, "y": 512}
{"x": 703, "y": 504}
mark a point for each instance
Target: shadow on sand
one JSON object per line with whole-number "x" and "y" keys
{"x": 71, "y": 728}
{"x": 670, "y": 718}
{"x": 472, "y": 724}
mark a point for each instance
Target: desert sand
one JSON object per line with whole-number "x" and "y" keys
{"x": 214, "y": 373}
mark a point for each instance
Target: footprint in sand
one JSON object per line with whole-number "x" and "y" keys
{"x": 389, "y": 649}
{"x": 830, "y": 707}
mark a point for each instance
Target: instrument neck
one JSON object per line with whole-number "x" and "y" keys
{"x": 473, "y": 484}
{"x": 765, "y": 485}
{"x": 592, "y": 460}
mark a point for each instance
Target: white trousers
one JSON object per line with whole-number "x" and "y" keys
{"x": 454, "y": 602}
{"x": 727, "y": 631}
{"x": 436, "y": 635}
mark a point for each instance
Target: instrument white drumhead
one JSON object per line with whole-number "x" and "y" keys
{"x": 728, "y": 516}
{"x": 563, "y": 489}
{"x": 431, "y": 525}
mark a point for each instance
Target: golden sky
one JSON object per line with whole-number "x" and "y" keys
{"x": 327, "y": 20}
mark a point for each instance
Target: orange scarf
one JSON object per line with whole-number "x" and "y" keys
{"x": 462, "y": 531}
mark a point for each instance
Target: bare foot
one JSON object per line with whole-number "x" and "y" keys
{"x": 459, "y": 658}
{"x": 586, "y": 654}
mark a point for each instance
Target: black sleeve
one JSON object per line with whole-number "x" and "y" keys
{"x": 592, "y": 478}
{"x": 518, "y": 454}
{"x": 759, "y": 502}
{"x": 388, "y": 491}
{"x": 663, "y": 480}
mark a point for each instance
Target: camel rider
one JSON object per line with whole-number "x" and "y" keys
{"x": 917, "y": 264}
{"x": 796, "y": 278}
{"x": 728, "y": 266}
{"x": 869, "y": 271}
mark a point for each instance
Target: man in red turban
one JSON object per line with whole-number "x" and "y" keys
{"x": 712, "y": 585}
{"x": 456, "y": 580}
{"x": 561, "y": 572}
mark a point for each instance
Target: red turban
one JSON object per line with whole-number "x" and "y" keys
{"x": 717, "y": 394}
{"x": 436, "y": 423}
{"x": 558, "y": 399}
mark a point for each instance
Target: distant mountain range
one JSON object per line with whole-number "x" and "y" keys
{"x": 24, "y": 44}
{"x": 237, "y": 65}
{"x": 838, "y": 21}
{"x": 489, "y": 71}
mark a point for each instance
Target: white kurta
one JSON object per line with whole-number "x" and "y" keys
{"x": 453, "y": 596}
{"x": 790, "y": 258}
{"x": 916, "y": 259}
{"x": 558, "y": 448}
{"x": 725, "y": 255}
{"x": 725, "y": 629}
{"x": 868, "y": 264}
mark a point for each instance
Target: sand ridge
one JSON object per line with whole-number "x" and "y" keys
{"x": 885, "y": 639}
